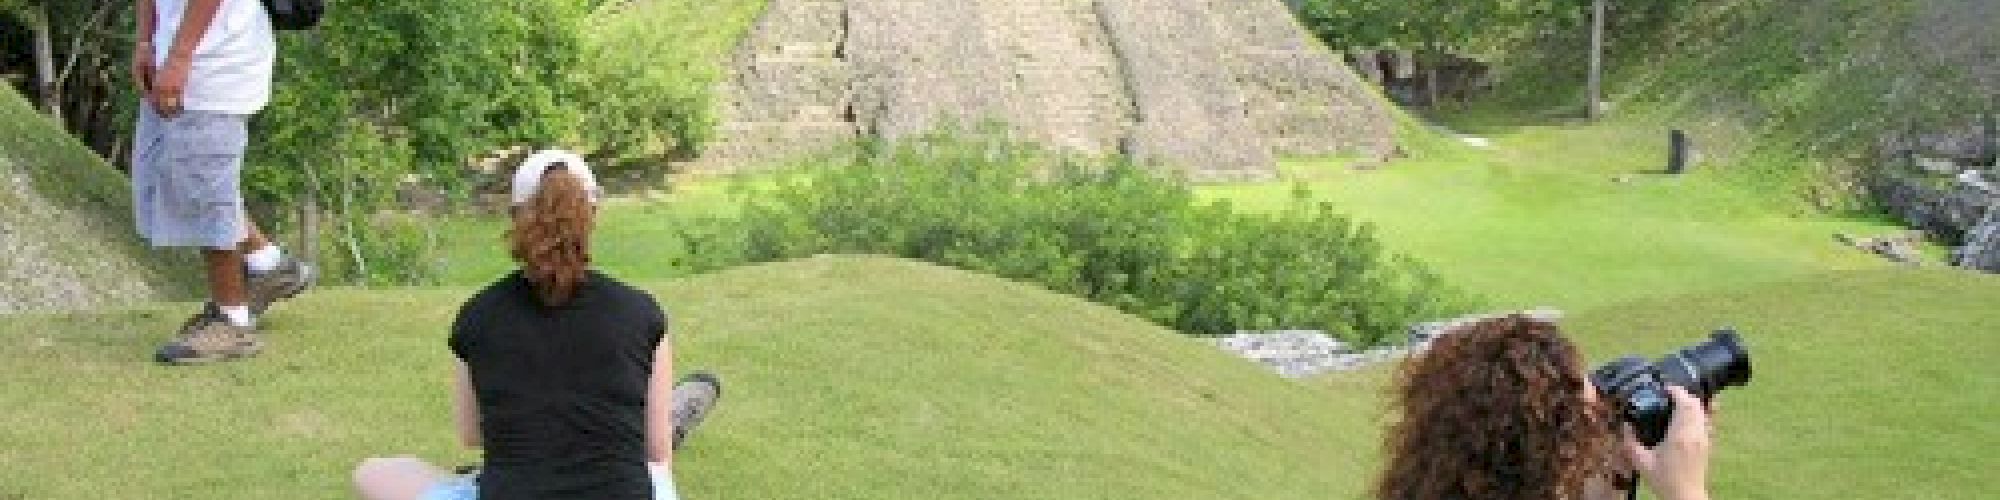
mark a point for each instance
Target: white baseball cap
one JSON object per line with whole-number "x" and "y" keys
{"x": 528, "y": 179}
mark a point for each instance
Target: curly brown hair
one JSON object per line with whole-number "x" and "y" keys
{"x": 1496, "y": 410}
{"x": 551, "y": 236}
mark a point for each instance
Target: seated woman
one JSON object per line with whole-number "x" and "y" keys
{"x": 563, "y": 373}
{"x": 1504, "y": 409}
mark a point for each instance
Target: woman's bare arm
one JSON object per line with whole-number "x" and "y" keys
{"x": 465, "y": 406}
{"x": 660, "y": 407}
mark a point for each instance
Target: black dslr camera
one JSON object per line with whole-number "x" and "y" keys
{"x": 1638, "y": 390}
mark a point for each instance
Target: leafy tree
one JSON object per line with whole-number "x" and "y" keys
{"x": 436, "y": 82}
{"x": 385, "y": 90}
{"x": 82, "y": 44}
{"x": 1434, "y": 25}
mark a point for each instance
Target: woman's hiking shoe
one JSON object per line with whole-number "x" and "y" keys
{"x": 209, "y": 313}
{"x": 210, "y": 341}
{"x": 694, "y": 397}
{"x": 288, "y": 280}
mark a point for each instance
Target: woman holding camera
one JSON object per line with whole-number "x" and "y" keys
{"x": 563, "y": 374}
{"x": 1504, "y": 409}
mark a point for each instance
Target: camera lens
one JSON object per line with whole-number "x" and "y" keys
{"x": 1615, "y": 379}
{"x": 1708, "y": 367}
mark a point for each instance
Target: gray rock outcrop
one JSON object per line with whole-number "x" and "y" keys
{"x": 1982, "y": 241}
{"x": 1964, "y": 210}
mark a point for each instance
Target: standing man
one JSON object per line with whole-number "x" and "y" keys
{"x": 205, "y": 67}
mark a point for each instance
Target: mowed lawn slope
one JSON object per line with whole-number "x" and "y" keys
{"x": 1572, "y": 216}
{"x": 846, "y": 377}
{"x": 856, "y": 377}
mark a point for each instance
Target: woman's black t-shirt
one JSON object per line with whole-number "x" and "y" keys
{"x": 561, "y": 390}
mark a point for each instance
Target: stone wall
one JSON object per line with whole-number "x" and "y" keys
{"x": 1217, "y": 88}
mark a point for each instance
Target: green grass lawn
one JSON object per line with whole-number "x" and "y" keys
{"x": 1867, "y": 384}
{"x": 880, "y": 378}
{"x": 845, "y": 378}
{"x": 1542, "y": 219}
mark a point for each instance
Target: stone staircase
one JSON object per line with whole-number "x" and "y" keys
{"x": 1069, "y": 82}
{"x": 1215, "y": 88}
{"x": 789, "y": 90}
{"x": 925, "y": 64}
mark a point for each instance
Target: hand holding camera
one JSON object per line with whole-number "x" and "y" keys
{"x": 1664, "y": 409}
{"x": 1677, "y": 468}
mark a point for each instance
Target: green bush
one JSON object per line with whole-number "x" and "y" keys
{"x": 1109, "y": 231}
{"x": 650, "y": 72}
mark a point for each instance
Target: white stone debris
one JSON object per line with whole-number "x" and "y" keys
{"x": 1305, "y": 353}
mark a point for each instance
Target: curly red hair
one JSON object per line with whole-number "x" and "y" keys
{"x": 551, "y": 236}
{"x": 1496, "y": 410}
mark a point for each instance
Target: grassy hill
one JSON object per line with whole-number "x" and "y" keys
{"x": 878, "y": 378}
{"x": 65, "y": 223}
{"x": 846, "y": 378}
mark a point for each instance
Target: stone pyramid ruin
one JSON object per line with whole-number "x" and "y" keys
{"x": 1217, "y": 88}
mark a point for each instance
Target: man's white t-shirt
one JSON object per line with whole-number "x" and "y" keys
{"x": 232, "y": 64}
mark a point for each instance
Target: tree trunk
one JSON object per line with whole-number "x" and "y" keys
{"x": 45, "y": 62}
{"x": 1431, "y": 75}
{"x": 1596, "y": 85}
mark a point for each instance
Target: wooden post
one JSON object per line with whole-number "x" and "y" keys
{"x": 1993, "y": 141}
{"x": 1677, "y": 152}
{"x": 45, "y": 61}
{"x": 1596, "y": 85}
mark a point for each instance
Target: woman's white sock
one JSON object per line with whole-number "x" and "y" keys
{"x": 238, "y": 315}
{"x": 263, "y": 260}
